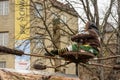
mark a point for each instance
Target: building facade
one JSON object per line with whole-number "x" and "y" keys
{"x": 23, "y": 21}
{"x": 7, "y": 31}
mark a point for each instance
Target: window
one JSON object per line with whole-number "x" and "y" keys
{"x": 118, "y": 61}
{"x": 2, "y": 64}
{"x": 39, "y": 41}
{"x": 4, "y": 39}
{"x": 39, "y": 10}
{"x": 4, "y": 7}
{"x": 63, "y": 18}
{"x": 55, "y": 15}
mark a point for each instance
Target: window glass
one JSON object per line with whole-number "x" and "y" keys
{"x": 39, "y": 41}
{"x": 39, "y": 10}
{"x": 4, "y": 39}
{"x": 63, "y": 18}
{"x": 2, "y": 64}
{"x": 4, "y": 7}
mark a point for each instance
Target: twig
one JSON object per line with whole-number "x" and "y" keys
{"x": 20, "y": 53}
{"x": 63, "y": 64}
{"x": 107, "y": 66}
{"x": 36, "y": 55}
{"x": 105, "y": 58}
{"x": 102, "y": 65}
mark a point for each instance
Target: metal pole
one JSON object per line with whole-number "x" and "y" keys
{"x": 77, "y": 69}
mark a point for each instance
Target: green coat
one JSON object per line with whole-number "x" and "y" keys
{"x": 87, "y": 48}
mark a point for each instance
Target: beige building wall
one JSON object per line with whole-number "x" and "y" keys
{"x": 7, "y": 25}
{"x": 71, "y": 21}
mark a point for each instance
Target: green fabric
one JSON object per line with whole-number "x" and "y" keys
{"x": 84, "y": 47}
{"x": 75, "y": 47}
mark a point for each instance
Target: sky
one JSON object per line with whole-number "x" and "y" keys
{"x": 103, "y": 5}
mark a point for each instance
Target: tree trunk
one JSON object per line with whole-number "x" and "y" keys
{"x": 118, "y": 33}
{"x": 56, "y": 39}
{"x": 118, "y": 40}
